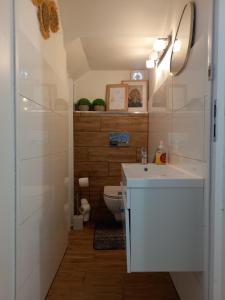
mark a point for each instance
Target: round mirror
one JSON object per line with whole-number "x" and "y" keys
{"x": 183, "y": 40}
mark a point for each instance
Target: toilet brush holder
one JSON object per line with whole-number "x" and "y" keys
{"x": 78, "y": 222}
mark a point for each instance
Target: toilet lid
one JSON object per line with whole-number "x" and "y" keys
{"x": 113, "y": 192}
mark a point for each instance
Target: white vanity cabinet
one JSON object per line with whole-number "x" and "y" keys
{"x": 163, "y": 219}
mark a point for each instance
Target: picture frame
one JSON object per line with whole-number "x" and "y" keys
{"x": 117, "y": 97}
{"x": 137, "y": 95}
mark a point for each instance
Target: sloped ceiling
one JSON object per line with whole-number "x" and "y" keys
{"x": 77, "y": 62}
{"x": 114, "y": 34}
{"x": 116, "y": 53}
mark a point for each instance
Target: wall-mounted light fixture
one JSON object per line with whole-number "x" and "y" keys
{"x": 154, "y": 55}
{"x": 160, "y": 44}
{"x": 160, "y": 47}
{"x": 150, "y": 63}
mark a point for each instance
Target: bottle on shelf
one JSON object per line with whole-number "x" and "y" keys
{"x": 161, "y": 154}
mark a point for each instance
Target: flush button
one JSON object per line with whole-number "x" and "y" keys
{"x": 119, "y": 139}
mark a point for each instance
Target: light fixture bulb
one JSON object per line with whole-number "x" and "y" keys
{"x": 150, "y": 64}
{"x": 25, "y": 100}
{"x": 160, "y": 45}
{"x": 154, "y": 55}
{"x": 177, "y": 46}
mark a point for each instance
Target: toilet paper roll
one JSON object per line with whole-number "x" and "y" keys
{"x": 85, "y": 209}
{"x": 83, "y": 182}
{"x": 84, "y": 201}
{"x": 85, "y": 206}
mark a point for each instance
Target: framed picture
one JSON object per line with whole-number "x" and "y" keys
{"x": 117, "y": 97}
{"x": 137, "y": 95}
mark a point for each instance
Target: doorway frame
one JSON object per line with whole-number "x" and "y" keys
{"x": 217, "y": 232}
{"x": 7, "y": 152}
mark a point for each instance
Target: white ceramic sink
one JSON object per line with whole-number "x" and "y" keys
{"x": 152, "y": 175}
{"x": 164, "y": 218}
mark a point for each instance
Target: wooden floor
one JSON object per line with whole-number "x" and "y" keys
{"x": 87, "y": 274}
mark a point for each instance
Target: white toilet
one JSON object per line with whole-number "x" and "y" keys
{"x": 113, "y": 201}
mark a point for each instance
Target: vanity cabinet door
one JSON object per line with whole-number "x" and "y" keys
{"x": 126, "y": 223}
{"x": 166, "y": 230}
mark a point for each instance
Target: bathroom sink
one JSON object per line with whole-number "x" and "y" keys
{"x": 152, "y": 175}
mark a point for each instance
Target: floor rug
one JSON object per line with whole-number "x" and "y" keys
{"x": 109, "y": 236}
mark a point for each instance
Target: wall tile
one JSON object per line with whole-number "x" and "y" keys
{"x": 87, "y": 169}
{"x": 42, "y": 167}
{"x": 94, "y": 157}
{"x": 188, "y": 134}
{"x": 35, "y": 129}
{"x": 187, "y": 97}
{"x": 81, "y": 154}
{"x": 128, "y": 124}
{"x": 91, "y": 139}
{"x": 34, "y": 188}
{"x": 86, "y": 123}
{"x": 104, "y": 181}
{"x": 114, "y": 169}
{"x": 112, "y": 154}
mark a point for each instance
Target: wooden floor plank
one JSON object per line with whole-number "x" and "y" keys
{"x": 89, "y": 274}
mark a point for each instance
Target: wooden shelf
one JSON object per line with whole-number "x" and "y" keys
{"x": 109, "y": 113}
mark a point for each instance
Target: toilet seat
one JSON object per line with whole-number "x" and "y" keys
{"x": 113, "y": 201}
{"x": 113, "y": 192}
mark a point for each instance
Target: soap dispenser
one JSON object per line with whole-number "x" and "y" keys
{"x": 161, "y": 154}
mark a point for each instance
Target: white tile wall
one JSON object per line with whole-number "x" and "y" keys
{"x": 42, "y": 166}
{"x": 184, "y": 125}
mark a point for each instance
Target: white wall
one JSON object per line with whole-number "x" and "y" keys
{"x": 42, "y": 154}
{"x": 7, "y": 155}
{"x": 92, "y": 85}
{"x": 77, "y": 62}
{"x": 183, "y": 123}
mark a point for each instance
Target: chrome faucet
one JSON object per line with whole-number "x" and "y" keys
{"x": 144, "y": 156}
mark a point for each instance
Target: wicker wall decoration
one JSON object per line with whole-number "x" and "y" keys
{"x": 44, "y": 19}
{"x": 54, "y": 17}
{"x": 48, "y": 17}
{"x": 37, "y": 2}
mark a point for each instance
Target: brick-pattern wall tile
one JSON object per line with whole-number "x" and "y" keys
{"x": 94, "y": 158}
